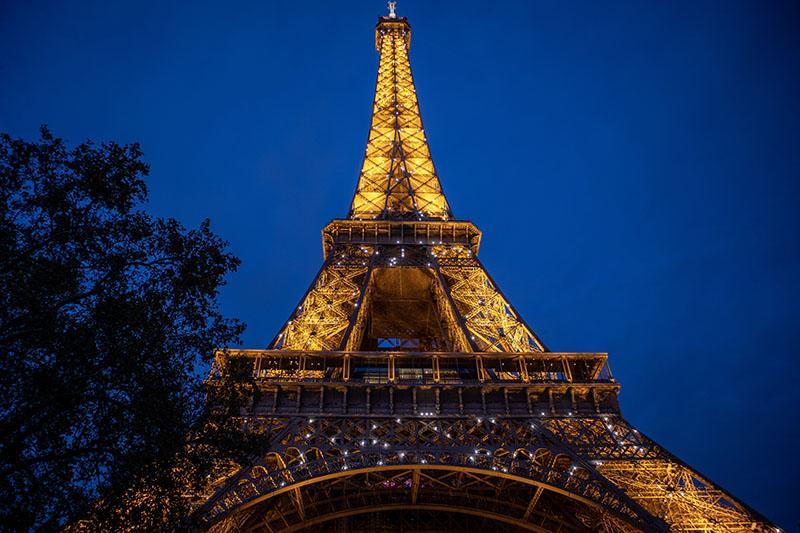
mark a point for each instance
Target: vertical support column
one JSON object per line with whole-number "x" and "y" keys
{"x": 299, "y": 399}
{"x": 567, "y": 371}
{"x": 460, "y": 401}
{"x": 257, "y": 367}
{"x": 595, "y": 401}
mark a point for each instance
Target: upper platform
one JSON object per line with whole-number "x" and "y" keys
{"x": 403, "y": 232}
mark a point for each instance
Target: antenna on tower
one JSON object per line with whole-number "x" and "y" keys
{"x": 392, "y": 14}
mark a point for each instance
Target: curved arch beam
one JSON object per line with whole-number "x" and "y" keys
{"x": 417, "y": 507}
{"x": 452, "y": 444}
{"x": 418, "y": 467}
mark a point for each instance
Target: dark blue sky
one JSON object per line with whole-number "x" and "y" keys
{"x": 635, "y": 167}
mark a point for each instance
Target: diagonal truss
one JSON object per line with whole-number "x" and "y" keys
{"x": 498, "y": 458}
{"x": 405, "y": 385}
{"x": 398, "y": 179}
{"x": 469, "y": 306}
{"x": 660, "y": 482}
{"x": 324, "y": 313}
{"x": 493, "y": 324}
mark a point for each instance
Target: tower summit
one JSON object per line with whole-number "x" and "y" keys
{"x": 404, "y": 391}
{"x": 398, "y": 179}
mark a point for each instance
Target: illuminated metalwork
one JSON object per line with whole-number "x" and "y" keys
{"x": 398, "y": 179}
{"x": 405, "y": 387}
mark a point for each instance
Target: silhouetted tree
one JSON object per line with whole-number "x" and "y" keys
{"x": 108, "y": 321}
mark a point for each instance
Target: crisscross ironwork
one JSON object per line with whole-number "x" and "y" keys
{"x": 398, "y": 179}
{"x": 406, "y": 387}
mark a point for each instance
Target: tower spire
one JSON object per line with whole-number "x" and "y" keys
{"x": 398, "y": 179}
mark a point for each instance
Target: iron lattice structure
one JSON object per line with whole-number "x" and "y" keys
{"x": 406, "y": 392}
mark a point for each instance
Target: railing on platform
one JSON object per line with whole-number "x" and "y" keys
{"x": 400, "y": 232}
{"x": 421, "y": 368}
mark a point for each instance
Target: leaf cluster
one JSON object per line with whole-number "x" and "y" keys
{"x": 108, "y": 320}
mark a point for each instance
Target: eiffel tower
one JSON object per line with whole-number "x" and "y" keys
{"x": 405, "y": 392}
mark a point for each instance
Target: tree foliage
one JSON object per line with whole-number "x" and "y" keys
{"x": 108, "y": 321}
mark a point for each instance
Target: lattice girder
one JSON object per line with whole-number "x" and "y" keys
{"x": 405, "y": 381}
{"x": 320, "y": 449}
{"x": 398, "y": 179}
{"x": 442, "y": 491}
{"x": 660, "y": 482}
{"x": 325, "y": 312}
{"x": 493, "y": 324}
{"x": 469, "y": 306}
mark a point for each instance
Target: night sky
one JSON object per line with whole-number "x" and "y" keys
{"x": 635, "y": 168}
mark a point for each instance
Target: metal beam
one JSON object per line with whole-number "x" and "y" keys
{"x": 423, "y": 507}
{"x": 533, "y": 502}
